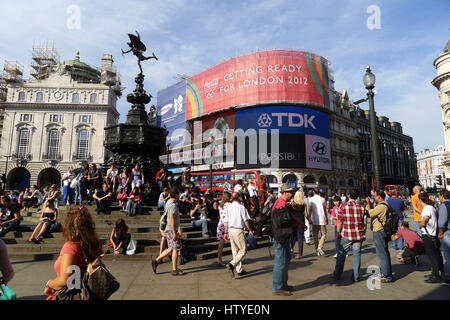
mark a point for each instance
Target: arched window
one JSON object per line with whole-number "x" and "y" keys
{"x": 289, "y": 177}
{"x": 75, "y": 97}
{"x": 23, "y": 145}
{"x": 53, "y": 144}
{"x": 21, "y": 96}
{"x": 39, "y": 97}
{"x": 309, "y": 179}
{"x": 93, "y": 98}
{"x": 83, "y": 144}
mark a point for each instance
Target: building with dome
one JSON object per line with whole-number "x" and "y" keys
{"x": 442, "y": 83}
{"x": 56, "y": 118}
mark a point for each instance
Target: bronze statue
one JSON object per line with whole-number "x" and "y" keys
{"x": 138, "y": 48}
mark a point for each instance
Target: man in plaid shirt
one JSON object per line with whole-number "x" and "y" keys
{"x": 351, "y": 229}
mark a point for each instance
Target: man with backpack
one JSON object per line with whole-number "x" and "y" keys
{"x": 384, "y": 223}
{"x": 282, "y": 222}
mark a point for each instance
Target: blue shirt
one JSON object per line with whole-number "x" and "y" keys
{"x": 398, "y": 205}
{"x": 443, "y": 222}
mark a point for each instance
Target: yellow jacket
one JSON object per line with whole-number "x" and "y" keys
{"x": 378, "y": 212}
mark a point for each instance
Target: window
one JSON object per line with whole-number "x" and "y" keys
{"x": 53, "y": 144}
{"x": 56, "y": 118}
{"x": 26, "y": 117}
{"x": 85, "y": 118}
{"x": 39, "y": 97}
{"x": 23, "y": 143}
{"x": 21, "y": 96}
{"x": 93, "y": 98}
{"x": 75, "y": 97}
{"x": 83, "y": 144}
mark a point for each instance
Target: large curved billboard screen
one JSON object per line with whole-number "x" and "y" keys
{"x": 259, "y": 78}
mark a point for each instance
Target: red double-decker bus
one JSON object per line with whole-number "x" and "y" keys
{"x": 388, "y": 189}
{"x": 222, "y": 180}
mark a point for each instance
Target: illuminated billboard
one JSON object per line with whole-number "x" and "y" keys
{"x": 259, "y": 78}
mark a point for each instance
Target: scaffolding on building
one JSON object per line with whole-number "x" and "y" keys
{"x": 44, "y": 59}
{"x": 12, "y": 71}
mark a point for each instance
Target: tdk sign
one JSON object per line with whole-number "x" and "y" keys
{"x": 295, "y": 120}
{"x": 286, "y": 119}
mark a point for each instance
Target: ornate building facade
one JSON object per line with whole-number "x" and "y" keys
{"x": 431, "y": 168}
{"x": 57, "y": 120}
{"x": 442, "y": 83}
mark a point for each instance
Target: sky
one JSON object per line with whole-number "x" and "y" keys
{"x": 191, "y": 36}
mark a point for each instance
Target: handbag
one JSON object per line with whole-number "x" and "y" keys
{"x": 68, "y": 294}
{"x": 98, "y": 283}
{"x": 6, "y": 293}
{"x": 75, "y": 182}
{"x": 132, "y": 246}
{"x": 121, "y": 196}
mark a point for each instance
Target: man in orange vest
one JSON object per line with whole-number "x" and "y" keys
{"x": 417, "y": 208}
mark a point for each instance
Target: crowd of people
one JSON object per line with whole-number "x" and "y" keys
{"x": 250, "y": 209}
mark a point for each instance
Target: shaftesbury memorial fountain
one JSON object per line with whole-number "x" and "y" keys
{"x": 136, "y": 141}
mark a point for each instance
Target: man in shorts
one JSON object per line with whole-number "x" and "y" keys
{"x": 172, "y": 233}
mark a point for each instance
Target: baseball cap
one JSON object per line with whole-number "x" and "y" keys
{"x": 286, "y": 188}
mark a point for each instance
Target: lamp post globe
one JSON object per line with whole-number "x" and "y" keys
{"x": 369, "y": 79}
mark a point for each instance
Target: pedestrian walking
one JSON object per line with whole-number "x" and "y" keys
{"x": 318, "y": 211}
{"x": 429, "y": 229}
{"x": 444, "y": 230}
{"x": 417, "y": 209}
{"x": 226, "y": 201}
{"x": 282, "y": 222}
{"x": 300, "y": 212}
{"x": 236, "y": 219}
{"x": 334, "y": 219}
{"x": 351, "y": 233}
{"x": 378, "y": 216}
{"x": 172, "y": 234}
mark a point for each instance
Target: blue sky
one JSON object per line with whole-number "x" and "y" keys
{"x": 190, "y": 36}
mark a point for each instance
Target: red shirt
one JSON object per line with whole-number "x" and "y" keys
{"x": 74, "y": 249}
{"x": 137, "y": 197}
{"x": 354, "y": 219}
{"x": 158, "y": 174}
{"x": 411, "y": 238}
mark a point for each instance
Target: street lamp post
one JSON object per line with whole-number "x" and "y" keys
{"x": 369, "y": 83}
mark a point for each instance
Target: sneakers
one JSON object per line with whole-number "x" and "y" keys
{"x": 335, "y": 256}
{"x": 205, "y": 235}
{"x": 282, "y": 293}
{"x": 320, "y": 252}
{"x": 177, "y": 272}
{"x": 446, "y": 282}
{"x": 154, "y": 265}
{"x": 383, "y": 280}
{"x": 230, "y": 268}
{"x": 416, "y": 261}
{"x": 243, "y": 273}
{"x": 433, "y": 279}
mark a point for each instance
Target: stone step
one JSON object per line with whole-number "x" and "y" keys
{"x": 106, "y": 219}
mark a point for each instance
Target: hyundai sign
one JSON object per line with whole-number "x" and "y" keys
{"x": 293, "y": 137}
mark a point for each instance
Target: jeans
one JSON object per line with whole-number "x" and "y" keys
{"x": 78, "y": 193}
{"x": 336, "y": 241}
{"x": 11, "y": 226}
{"x": 68, "y": 194}
{"x": 203, "y": 223}
{"x": 434, "y": 254}
{"x": 281, "y": 266}
{"x": 298, "y": 236}
{"x": 417, "y": 223}
{"x": 344, "y": 247}
{"x": 382, "y": 249}
{"x": 162, "y": 205}
{"x": 133, "y": 207}
{"x": 160, "y": 184}
{"x": 446, "y": 246}
{"x": 398, "y": 244}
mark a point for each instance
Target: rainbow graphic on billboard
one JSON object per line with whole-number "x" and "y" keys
{"x": 194, "y": 106}
{"x": 318, "y": 68}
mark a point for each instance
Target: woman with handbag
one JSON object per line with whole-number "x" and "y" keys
{"x": 122, "y": 198}
{"x": 431, "y": 243}
{"x": 81, "y": 248}
{"x": 49, "y": 216}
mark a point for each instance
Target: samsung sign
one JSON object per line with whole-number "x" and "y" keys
{"x": 287, "y": 119}
{"x": 303, "y": 135}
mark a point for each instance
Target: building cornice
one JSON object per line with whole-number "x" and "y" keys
{"x": 65, "y": 107}
{"x": 439, "y": 79}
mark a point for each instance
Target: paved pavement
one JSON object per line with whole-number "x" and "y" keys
{"x": 310, "y": 277}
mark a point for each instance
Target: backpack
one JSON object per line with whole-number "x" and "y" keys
{"x": 392, "y": 220}
{"x": 163, "y": 221}
{"x": 281, "y": 224}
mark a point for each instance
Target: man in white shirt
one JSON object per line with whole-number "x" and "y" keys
{"x": 112, "y": 177}
{"x": 236, "y": 219}
{"x": 67, "y": 190}
{"x": 318, "y": 212}
{"x": 253, "y": 194}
